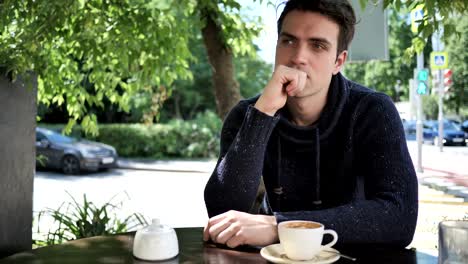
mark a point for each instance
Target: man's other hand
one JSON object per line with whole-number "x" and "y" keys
{"x": 236, "y": 228}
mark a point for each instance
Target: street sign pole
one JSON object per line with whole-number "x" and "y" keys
{"x": 439, "y": 62}
{"x": 441, "y": 113}
{"x": 417, "y": 15}
{"x": 419, "y": 124}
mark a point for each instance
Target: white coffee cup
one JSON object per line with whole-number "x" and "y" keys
{"x": 302, "y": 240}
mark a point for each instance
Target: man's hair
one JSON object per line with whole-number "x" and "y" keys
{"x": 340, "y": 11}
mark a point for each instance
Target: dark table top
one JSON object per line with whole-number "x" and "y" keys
{"x": 118, "y": 249}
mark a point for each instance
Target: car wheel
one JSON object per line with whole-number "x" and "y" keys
{"x": 70, "y": 165}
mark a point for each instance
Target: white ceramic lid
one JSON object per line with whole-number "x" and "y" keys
{"x": 155, "y": 228}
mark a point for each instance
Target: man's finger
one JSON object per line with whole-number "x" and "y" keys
{"x": 292, "y": 84}
{"x": 237, "y": 240}
{"x": 302, "y": 81}
{"x": 227, "y": 233}
{"x": 214, "y": 230}
{"x": 206, "y": 234}
{"x": 212, "y": 221}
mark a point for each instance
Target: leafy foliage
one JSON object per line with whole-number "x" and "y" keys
{"x": 458, "y": 60}
{"x": 87, "y": 50}
{"x": 437, "y": 15}
{"x": 86, "y": 220}
{"x": 384, "y": 76}
{"x": 190, "y": 97}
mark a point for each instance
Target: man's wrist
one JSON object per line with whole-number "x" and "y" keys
{"x": 260, "y": 106}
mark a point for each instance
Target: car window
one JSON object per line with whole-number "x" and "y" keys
{"x": 428, "y": 126}
{"x": 39, "y": 136}
{"x": 58, "y": 138}
{"x": 450, "y": 126}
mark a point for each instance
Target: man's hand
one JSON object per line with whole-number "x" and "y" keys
{"x": 284, "y": 82}
{"x": 235, "y": 228}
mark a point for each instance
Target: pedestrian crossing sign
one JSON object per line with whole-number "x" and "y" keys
{"x": 439, "y": 60}
{"x": 417, "y": 15}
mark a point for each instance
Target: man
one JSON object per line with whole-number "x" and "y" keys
{"x": 329, "y": 150}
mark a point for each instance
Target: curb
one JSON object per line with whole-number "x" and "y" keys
{"x": 446, "y": 183}
{"x": 168, "y": 166}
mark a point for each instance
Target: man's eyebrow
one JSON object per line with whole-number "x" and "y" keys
{"x": 320, "y": 40}
{"x": 314, "y": 39}
{"x": 285, "y": 34}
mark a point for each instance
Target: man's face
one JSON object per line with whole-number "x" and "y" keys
{"x": 308, "y": 42}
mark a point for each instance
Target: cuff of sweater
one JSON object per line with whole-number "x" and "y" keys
{"x": 280, "y": 217}
{"x": 260, "y": 122}
{"x": 295, "y": 215}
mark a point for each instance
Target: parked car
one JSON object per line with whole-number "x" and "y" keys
{"x": 410, "y": 130}
{"x": 453, "y": 135}
{"x": 54, "y": 150}
{"x": 464, "y": 127}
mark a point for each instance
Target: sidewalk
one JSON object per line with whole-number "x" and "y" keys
{"x": 444, "y": 171}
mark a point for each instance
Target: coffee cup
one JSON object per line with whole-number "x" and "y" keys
{"x": 302, "y": 240}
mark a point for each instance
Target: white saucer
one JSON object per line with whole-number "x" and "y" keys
{"x": 275, "y": 253}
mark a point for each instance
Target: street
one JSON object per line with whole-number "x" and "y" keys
{"x": 176, "y": 197}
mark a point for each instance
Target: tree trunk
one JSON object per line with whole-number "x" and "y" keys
{"x": 17, "y": 163}
{"x": 226, "y": 88}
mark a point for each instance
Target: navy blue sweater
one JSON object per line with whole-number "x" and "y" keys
{"x": 351, "y": 170}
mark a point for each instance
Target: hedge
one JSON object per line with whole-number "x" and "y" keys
{"x": 198, "y": 138}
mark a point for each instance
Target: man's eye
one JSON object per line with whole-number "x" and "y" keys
{"x": 318, "y": 46}
{"x": 287, "y": 42}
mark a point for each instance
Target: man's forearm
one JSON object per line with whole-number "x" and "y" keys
{"x": 235, "y": 180}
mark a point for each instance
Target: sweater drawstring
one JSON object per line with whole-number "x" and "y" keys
{"x": 317, "y": 201}
{"x": 278, "y": 190}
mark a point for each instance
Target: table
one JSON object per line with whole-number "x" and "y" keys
{"x": 118, "y": 249}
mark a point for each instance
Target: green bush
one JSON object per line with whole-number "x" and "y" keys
{"x": 197, "y": 138}
{"x": 79, "y": 220}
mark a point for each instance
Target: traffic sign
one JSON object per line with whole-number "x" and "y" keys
{"x": 417, "y": 15}
{"x": 439, "y": 60}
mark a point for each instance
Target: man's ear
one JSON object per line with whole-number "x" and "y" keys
{"x": 340, "y": 61}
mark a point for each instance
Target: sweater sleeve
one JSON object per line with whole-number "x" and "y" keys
{"x": 387, "y": 212}
{"x": 235, "y": 180}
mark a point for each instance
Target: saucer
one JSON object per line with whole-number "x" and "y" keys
{"x": 275, "y": 253}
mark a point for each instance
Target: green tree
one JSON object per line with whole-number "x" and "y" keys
{"x": 437, "y": 14}
{"x": 137, "y": 45}
{"x": 384, "y": 76}
{"x": 192, "y": 96}
{"x": 458, "y": 60}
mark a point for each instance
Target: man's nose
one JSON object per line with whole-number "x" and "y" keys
{"x": 299, "y": 56}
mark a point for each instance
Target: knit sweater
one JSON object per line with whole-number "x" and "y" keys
{"x": 350, "y": 170}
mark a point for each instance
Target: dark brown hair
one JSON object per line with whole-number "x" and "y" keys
{"x": 340, "y": 11}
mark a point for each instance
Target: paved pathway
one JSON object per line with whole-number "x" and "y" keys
{"x": 446, "y": 171}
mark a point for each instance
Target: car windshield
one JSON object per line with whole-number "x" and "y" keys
{"x": 450, "y": 126}
{"x": 58, "y": 138}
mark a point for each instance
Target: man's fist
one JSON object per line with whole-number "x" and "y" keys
{"x": 285, "y": 82}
